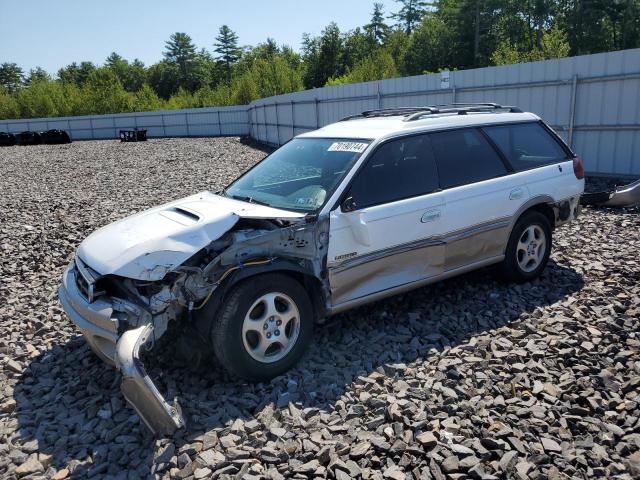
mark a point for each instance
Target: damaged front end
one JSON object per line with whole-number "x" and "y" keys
{"x": 117, "y": 321}
{"x": 122, "y": 317}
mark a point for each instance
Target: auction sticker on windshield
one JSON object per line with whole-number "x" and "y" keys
{"x": 355, "y": 147}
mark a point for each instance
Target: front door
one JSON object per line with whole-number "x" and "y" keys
{"x": 390, "y": 234}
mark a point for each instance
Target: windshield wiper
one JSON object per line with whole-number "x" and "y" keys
{"x": 248, "y": 199}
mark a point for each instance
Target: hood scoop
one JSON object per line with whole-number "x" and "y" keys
{"x": 181, "y": 215}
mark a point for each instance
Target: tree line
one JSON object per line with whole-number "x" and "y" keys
{"x": 419, "y": 37}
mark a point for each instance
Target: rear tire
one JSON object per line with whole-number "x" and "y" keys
{"x": 263, "y": 328}
{"x": 528, "y": 249}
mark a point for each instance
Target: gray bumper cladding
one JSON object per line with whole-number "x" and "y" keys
{"x": 161, "y": 417}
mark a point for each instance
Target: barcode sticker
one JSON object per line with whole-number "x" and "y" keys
{"x": 355, "y": 147}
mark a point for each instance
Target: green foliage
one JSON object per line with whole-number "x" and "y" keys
{"x": 377, "y": 29}
{"x": 104, "y": 93}
{"x": 36, "y": 74}
{"x": 131, "y": 75}
{"x": 226, "y": 47}
{"x": 428, "y": 36}
{"x": 179, "y": 49}
{"x": 410, "y": 14}
{"x": 8, "y": 105}
{"x": 43, "y": 98}
{"x": 76, "y": 74}
{"x": 11, "y": 76}
{"x": 378, "y": 66}
{"x": 429, "y": 48}
{"x": 323, "y": 56}
{"x": 554, "y": 44}
{"x": 146, "y": 100}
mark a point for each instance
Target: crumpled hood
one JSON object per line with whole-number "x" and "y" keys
{"x": 147, "y": 245}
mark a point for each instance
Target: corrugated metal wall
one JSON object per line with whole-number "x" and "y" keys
{"x": 593, "y": 101}
{"x": 196, "y": 122}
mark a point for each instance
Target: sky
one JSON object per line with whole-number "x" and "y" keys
{"x": 52, "y": 34}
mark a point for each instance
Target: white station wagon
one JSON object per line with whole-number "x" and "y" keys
{"x": 371, "y": 206}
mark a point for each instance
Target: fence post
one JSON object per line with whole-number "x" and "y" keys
{"x": 317, "y": 113}
{"x": 164, "y": 128}
{"x": 379, "y": 97}
{"x": 293, "y": 120}
{"x": 572, "y": 109}
{"x": 93, "y": 135}
{"x": 186, "y": 122}
{"x": 275, "y": 104}
{"x": 219, "y": 123}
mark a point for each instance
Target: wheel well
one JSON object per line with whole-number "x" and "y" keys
{"x": 312, "y": 285}
{"x": 546, "y": 210}
{"x": 314, "y": 289}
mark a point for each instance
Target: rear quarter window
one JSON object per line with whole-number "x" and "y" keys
{"x": 526, "y": 145}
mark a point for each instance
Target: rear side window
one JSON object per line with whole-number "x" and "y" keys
{"x": 398, "y": 169}
{"x": 465, "y": 156}
{"x": 526, "y": 145}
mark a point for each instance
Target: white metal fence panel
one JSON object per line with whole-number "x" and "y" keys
{"x": 593, "y": 101}
{"x": 195, "y": 122}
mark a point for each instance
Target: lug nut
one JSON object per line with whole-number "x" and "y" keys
{"x": 277, "y": 332}
{"x": 268, "y": 335}
{"x": 279, "y": 322}
{"x": 265, "y": 326}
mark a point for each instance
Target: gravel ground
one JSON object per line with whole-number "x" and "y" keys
{"x": 466, "y": 378}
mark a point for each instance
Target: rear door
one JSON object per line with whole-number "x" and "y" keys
{"x": 533, "y": 151}
{"x": 391, "y": 234}
{"x": 481, "y": 194}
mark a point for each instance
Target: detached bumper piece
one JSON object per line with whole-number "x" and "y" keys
{"x": 161, "y": 417}
{"x": 624, "y": 196}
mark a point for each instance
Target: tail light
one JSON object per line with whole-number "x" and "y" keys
{"x": 578, "y": 168}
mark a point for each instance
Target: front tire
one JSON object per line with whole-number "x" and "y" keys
{"x": 263, "y": 327}
{"x": 528, "y": 249}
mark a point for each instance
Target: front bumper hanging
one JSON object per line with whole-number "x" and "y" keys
{"x": 161, "y": 417}
{"x": 100, "y": 329}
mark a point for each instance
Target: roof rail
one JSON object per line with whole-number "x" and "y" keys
{"x": 415, "y": 113}
{"x": 386, "y": 112}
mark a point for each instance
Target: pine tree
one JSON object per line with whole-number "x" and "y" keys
{"x": 37, "y": 74}
{"x": 411, "y": 14}
{"x": 226, "y": 47}
{"x": 11, "y": 76}
{"x": 180, "y": 50}
{"x": 377, "y": 28}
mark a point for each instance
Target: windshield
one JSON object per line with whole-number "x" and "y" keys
{"x": 300, "y": 175}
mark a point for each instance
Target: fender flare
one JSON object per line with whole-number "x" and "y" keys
{"x": 203, "y": 318}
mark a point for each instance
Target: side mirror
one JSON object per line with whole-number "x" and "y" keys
{"x": 348, "y": 205}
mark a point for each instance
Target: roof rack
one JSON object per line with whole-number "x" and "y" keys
{"x": 415, "y": 113}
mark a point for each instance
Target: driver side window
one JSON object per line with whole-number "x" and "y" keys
{"x": 397, "y": 170}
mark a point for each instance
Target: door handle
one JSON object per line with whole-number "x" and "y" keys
{"x": 516, "y": 194}
{"x": 431, "y": 215}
